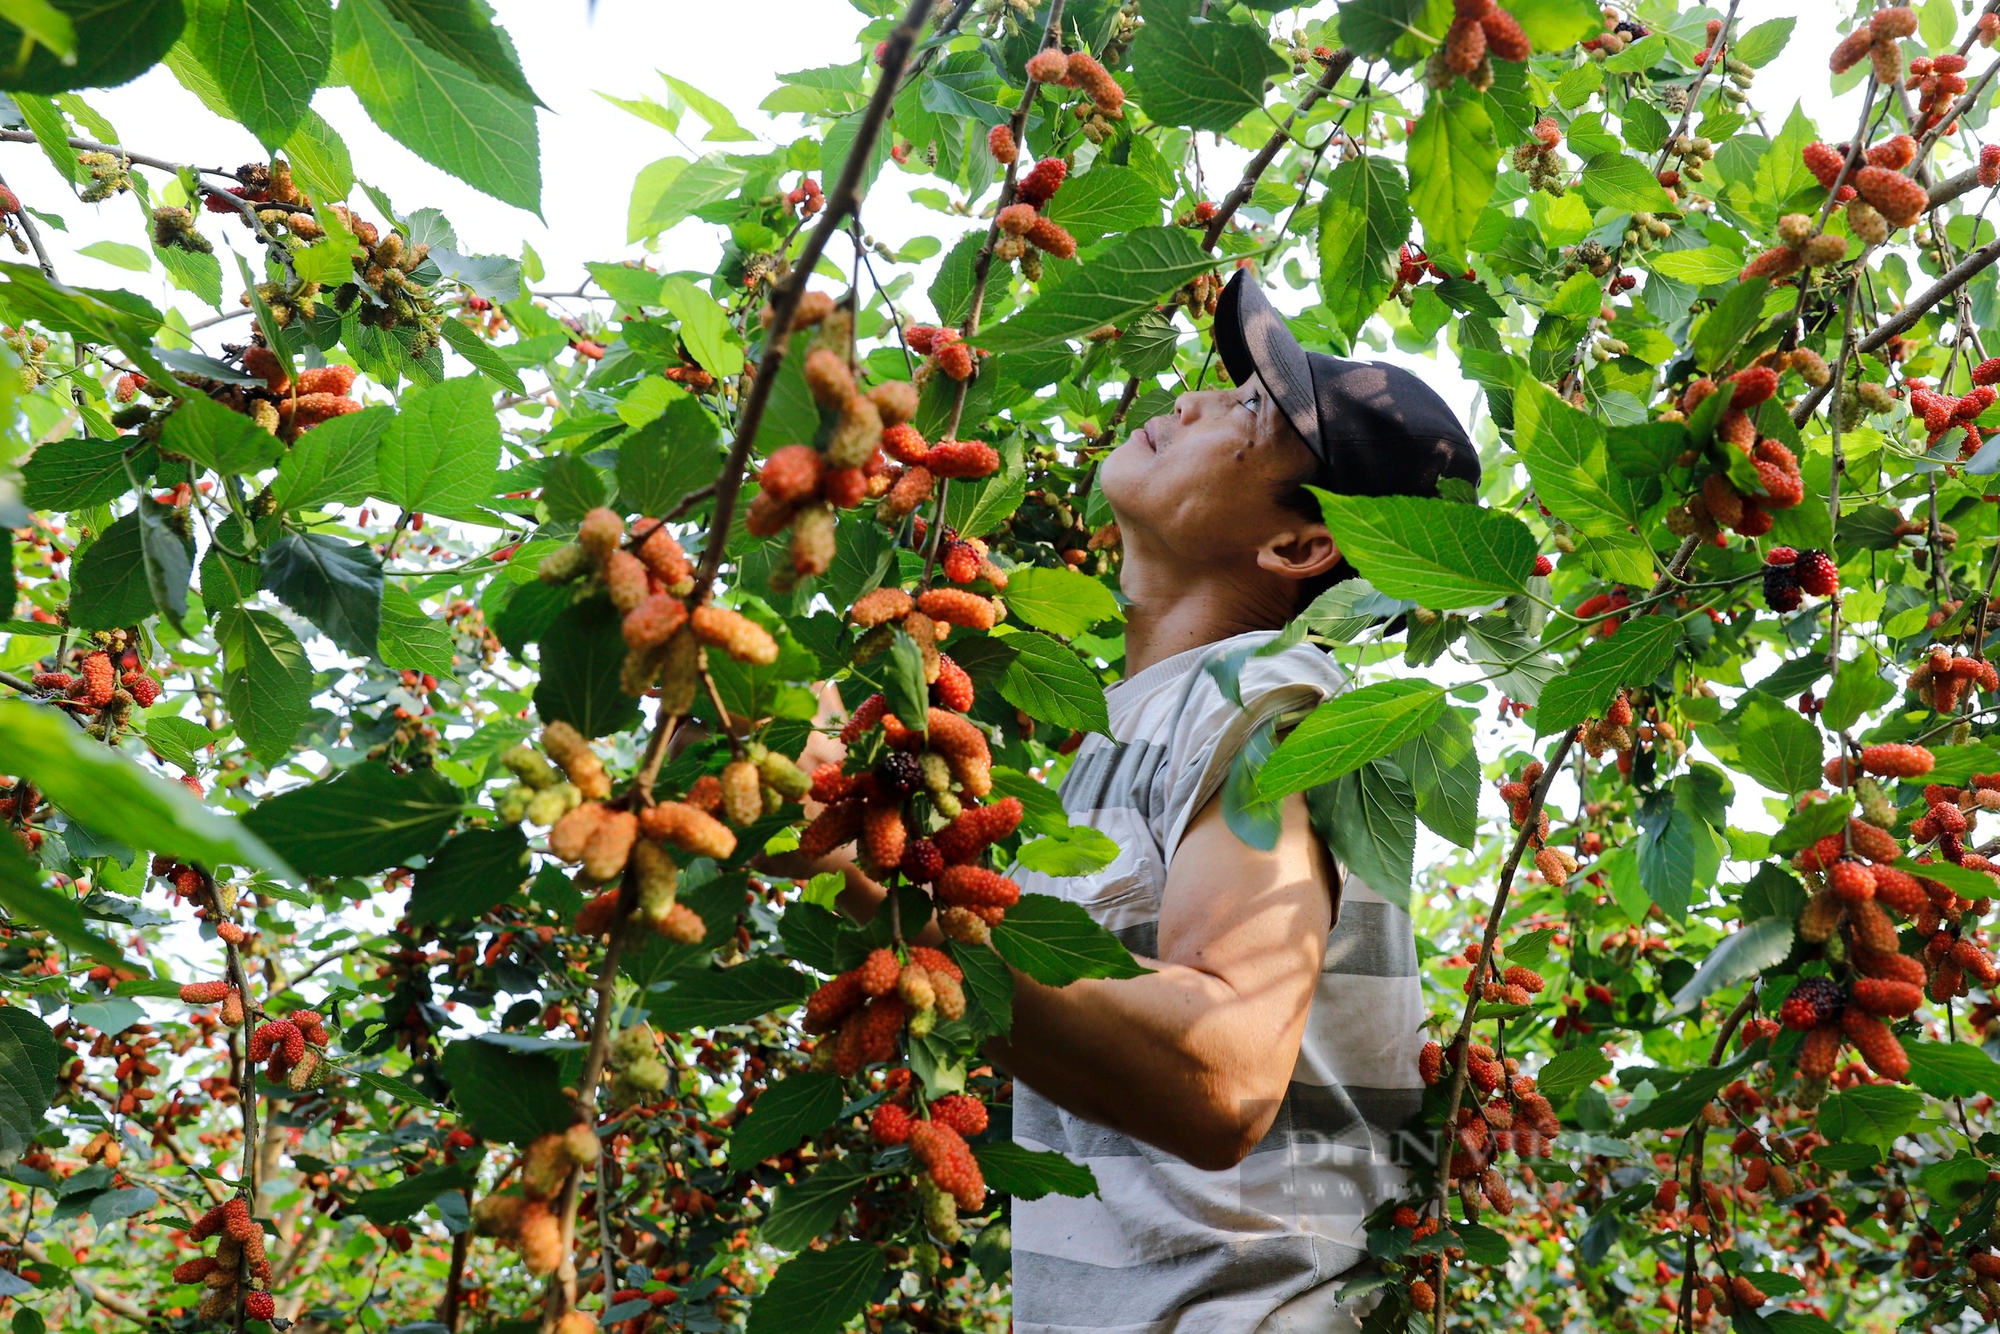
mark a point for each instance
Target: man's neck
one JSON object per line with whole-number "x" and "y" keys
{"x": 1176, "y": 610}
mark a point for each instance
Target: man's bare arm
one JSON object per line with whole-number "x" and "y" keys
{"x": 1194, "y": 1057}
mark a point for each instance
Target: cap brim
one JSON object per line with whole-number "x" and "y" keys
{"x": 1253, "y": 339}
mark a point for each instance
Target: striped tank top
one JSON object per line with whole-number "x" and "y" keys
{"x": 1166, "y": 1248}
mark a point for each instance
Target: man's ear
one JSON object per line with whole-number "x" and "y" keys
{"x": 1305, "y": 552}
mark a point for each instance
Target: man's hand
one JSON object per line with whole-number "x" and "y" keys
{"x": 1195, "y": 1057}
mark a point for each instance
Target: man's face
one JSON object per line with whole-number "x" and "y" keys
{"x": 1202, "y": 481}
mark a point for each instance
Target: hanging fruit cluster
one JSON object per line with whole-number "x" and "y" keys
{"x": 1480, "y": 30}
{"x": 239, "y": 1255}
{"x": 524, "y": 1217}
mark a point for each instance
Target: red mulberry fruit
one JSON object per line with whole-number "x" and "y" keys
{"x": 1897, "y": 760}
{"x": 203, "y": 993}
{"x": 922, "y": 861}
{"x": 1504, "y": 36}
{"x": 976, "y": 887}
{"x": 792, "y": 473}
{"x": 1894, "y": 153}
{"x": 655, "y": 620}
{"x": 1887, "y": 996}
{"x": 1000, "y": 143}
{"x": 259, "y": 1305}
{"x": 1039, "y": 186}
{"x": 1823, "y": 162}
{"x": 1464, "y": 46}
{"x": 143, "y": 688}
{"x": 1817, "y": 574}
{"x": 100, "y": 679}
{"x": 890, "y": 1125}
{"x": 1813, "y": 1003}
{"x": 945, "y": 1154}
{"x": 1852, "y": 881}
{"x": 735, "y": 634}
{"x": 1430, "y": 1062}
{"x": 958, "y": 607}
{"x": 1049, "y": 236}
{"x": 953, "y": 688}
{"x": 962, "y": 458}
{"x": 962, "y": 1112}
{"x": 1900, "y": 200}
{"x": 1877, "y": 1045}
{"x": 955, "y": 360}
{"x": 833, "y": 1002}
{"x": 1781, "y": 588}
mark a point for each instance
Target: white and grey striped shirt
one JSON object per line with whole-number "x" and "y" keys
{"x": 1166, "y": 1248}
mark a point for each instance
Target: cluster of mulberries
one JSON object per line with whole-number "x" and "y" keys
{"x": 1538, "y": 161}
{"x": 239, "y": 1253}
{"x": 1801, "y": 246}
{"x": 1943, "y": 414}
{"x": 281, "y": 403}
{"x": 1507, "y": 1115}
{"x": 866, "y": 1008}
{"x": 1081, "y": 70}
{"x": 1941, "y": 678}
{"x": 1719, "y": 504}
{"x": 1789, "y": 575}
{"x": 1876, "y": 40}
{"x": 806, "y": 197}
{"x": 1479, "y": 31}
{"x": 526, "y": 1219}
{"x": 292, "y": 1050}
{"x": 638, "y": 1075}
{"x": 1937, "y": 81}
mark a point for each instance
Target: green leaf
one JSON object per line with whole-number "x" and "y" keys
{"x": 409, "y": 1197}
{"x": 86, "y": 778}
{"x": 434, "y": 107}
{"x": 513, "y": 1097}
{"x": 1368, "y": 820}
{"x": 1443, "y": 768}
{"x": 1778, "y": 747}
{"x": 1453, "y": 159}
{"x": 817, "y": 1292}
{"x": 1729, "y": 323}
{"x": 79, "y": 471}
{"x": 1870, "y": 1114}
{"x": 795, "y": 1108}
{"x": 217, "y": 438}
{"x": 1960, "y": 880}
{"x": 582, "y": 654}
{"x": 1056, "y": 942}
{"x": 571, "y": 488}
{"x": 1124, "y": 281}
{"x": 989, "y": 986}
{"x": 30, "y": 903}
{"x": 1203, "y": 71}
{"x": 334, "y": 584}
{"x": 97, "y": 315}
{"x": 121, "y": 39}
{"x": 669, "y": 456}
{"x": 334, "y": 462}
{"x": 44, "y": 24}
{"x": 178, "y": 740}
{"x": 465, "y": 32}
{"x": 441, "y": 451}
{"x": 1437, "y": 553}
{"x": 138, "y": 566}
{"x": 117, "y": 253}
{"x": 1570, "y": 1072}
{"x": 410, "y": 638}
{"x": 1051, "y": 683}
{"x": 484, "y": 358}
{"x": 1711, "y": 264}
{"x": 736, "y": 995}
{"x": 1031, "y": 1174}
{"x": 1077, "y": 850}
{"x": 1635, "y": 655}
{"x": 1858, "y": 689}
{"x": 1566, "y": 457}
{"x": 1256, "y": 819}
{"x": 1349, "y": 730}
{"x": 473, "y": 873}
{"x": 1364, "y": 217}
{"x": 1744, "y": 952}
{"x": 269, "y": 682}
{"x": 1103, "y": 201}
{"x": 801, "y": 1210}
{"x": 1613, "y": 180}
{"x": 1668, "y": 854}
{"x": 1059, "y": 600}
{"x": 1948, "y": 1069}
{"x": 1553, "y": 25}
{"x": 319, "y": 159}
{"x": 1760, "y": 45}
{"x": 669, "y": 191}
{"x": 268, "y": 56}
{"x": 29, "y": 1062}
{"x": 704, "y": 327}
{"x": 364, "y": 819}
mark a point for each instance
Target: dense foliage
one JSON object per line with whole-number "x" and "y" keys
{"x": 484, "y": 642}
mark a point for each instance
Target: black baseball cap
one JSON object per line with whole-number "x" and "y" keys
{"x": 1376, "y": 429}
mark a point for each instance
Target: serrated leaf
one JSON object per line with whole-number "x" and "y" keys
{"x": 1442, "y": 765}
{"x": 1103, "y": 201}
{"x": 1031, "y": 1174}
{"x": 334, "y": 462}
{"x": 268, "y": 56}
{"x": 1639, "y": 652}
{"x": 1368, "y": 820}
{"x": 582, "y": 655}
{"x": 1056, "y": 942}
{"x": 138, "y": 566}
{"x": 1437, "y": 553}
{"x": 1364, "y": 218}
{"x": 1059, "y": 600}
{"x": 1569, "y": 1072}
{"x": 1952, "y": 1069}
{"x": 463, "y": 32}
{"x": 441, "y": 450}
{"x": 1203, "y": 71}
{"x": 334, "y": 584}
{"x": 409, "y": 1197}
{"x": 730, "y": 995}
{"x": 30, "y": 1061}
{"x": 817, "y": 1292}
{"x": 364, "y": 819}
{"x": 473, "y": 873}
{"x": 1453, "y": 160}
{"x": 1123, "y": 281}
{"x": 1778, "y": 747}
{"x": 1869, "y": 1114}
{"x": 1348, "y": 731}
{"x": 436, "y": 108}
{"x": 1052, "y": 684}
{"x": 801, "y": 1210}
{"x": 795, "y": 1108}
{"x": 30, "y": 903}
{"x": 121, "y": 39}
{"x": 513, "y": 1097}
{"x": 1744, "y": 952}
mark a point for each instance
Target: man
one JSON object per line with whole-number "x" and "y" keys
{"x": 1236, "y": 1103}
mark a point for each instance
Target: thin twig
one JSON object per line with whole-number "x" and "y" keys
{"x": 841, "y": 200}
{"x": 1697, "y": 1140}
{"x": 1336, "y": 67}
